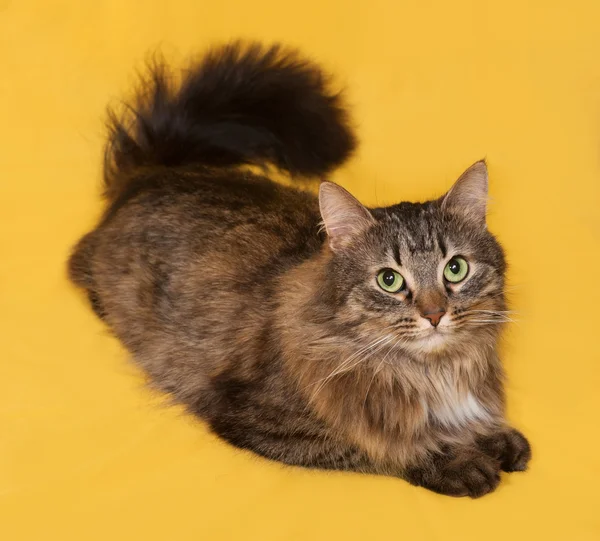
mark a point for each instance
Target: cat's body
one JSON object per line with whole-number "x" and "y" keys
{"x": 227, "y": 292}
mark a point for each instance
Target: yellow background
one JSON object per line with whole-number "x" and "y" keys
{"x": 88, "y": 453}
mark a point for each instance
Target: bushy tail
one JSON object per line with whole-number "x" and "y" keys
{"x": 241, "y": 104}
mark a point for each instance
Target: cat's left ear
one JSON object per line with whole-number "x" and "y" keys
{"x": 343, "y": 215}
{"x": 468, "y": 196}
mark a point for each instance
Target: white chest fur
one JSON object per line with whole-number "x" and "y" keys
{"x": 453, "y": 409}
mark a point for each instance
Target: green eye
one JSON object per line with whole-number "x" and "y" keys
{"x": 456, "y": 270}
{"x": 389, "y": 280}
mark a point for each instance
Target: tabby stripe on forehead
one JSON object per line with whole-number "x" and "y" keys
{"x": 396, "y": 253}
{"x": 442, "y": 245}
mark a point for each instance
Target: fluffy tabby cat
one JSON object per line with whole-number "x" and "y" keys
{"x": 312, "y": 331}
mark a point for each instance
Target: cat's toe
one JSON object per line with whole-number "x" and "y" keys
{"x": 478, "y": 476}
{"x": 518, "y": 452}
{"x": 509, "y": 447}
{"x": 469, "y": 473}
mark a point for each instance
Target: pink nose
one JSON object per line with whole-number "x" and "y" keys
{"x": 434, "y": 316}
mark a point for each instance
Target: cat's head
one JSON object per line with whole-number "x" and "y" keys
{"x": 423, "y": 277}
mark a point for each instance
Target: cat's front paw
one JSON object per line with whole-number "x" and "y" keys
{"x": 468, "y": 473}
{"x": 509, "y": 447}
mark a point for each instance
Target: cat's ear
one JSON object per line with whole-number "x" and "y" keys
{"x": 343, "y": 215}
{"x": 468, "y": 196}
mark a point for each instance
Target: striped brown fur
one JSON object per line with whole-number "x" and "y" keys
{"x": 258, "y": 306}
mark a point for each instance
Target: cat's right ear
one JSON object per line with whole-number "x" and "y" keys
{"x": 343, "y": 215}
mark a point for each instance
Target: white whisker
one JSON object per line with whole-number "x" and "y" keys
{"x": 348, "y": 365}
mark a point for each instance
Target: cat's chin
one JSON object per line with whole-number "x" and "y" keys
{"x": 431, "y": 342}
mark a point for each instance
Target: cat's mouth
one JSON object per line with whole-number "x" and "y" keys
{"x": 433, "y": 339}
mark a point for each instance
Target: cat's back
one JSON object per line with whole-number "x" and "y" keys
{"x": 216, "y": 198}
{"x": 194, "y": 253}
{"x": 193, "y": 213}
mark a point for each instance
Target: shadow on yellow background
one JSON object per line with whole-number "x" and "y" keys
{"x": 87, "y": 453}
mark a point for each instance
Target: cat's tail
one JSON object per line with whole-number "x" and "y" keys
{"x": 241, "y": 104}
